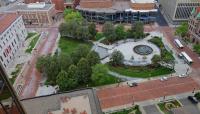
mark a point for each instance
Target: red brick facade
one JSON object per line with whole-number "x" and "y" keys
{"x": 96, "y": 3}
{"x": 143, "y": 6}
{"x": 59, "y": 4}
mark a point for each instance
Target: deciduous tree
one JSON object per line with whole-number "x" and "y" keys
{"x": 117, "y": 58}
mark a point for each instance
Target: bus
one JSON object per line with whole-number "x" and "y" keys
{"x": 186, "y": 58}
{"x": 178, "y": 43}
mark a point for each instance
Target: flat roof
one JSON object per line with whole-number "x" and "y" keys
{"x": 143, "y": 1}
{"x": 6, "y": 19}
{"x": 57, "y": 102}
{"x": 26, "y": 7}
{"x": 117, "y": 6}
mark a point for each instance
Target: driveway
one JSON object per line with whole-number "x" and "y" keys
{"x": 151, "y": 109}
{"x": 192, "y": 108}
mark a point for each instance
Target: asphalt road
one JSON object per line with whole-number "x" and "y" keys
{"x": 151, "y": 109}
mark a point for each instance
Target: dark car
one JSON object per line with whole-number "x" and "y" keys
{"x": 193, "y": 99}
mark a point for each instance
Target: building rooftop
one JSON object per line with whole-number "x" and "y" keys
{"x": 82, "y": 101}
{"x": 117, "y": 6}
{"x": 6, "y": 20}
{"x": 31, "y": 7}
{"x": 143, "y": 1}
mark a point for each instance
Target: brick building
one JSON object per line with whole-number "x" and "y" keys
{"x": 35, "y": 14}
{"x": 194, "y": 25}
{"x": 127, "y": 11}
{"x": 13, "y": 33}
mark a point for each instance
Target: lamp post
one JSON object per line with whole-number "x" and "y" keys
{"x": 193, "y": 90}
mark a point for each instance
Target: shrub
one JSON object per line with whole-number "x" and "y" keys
{"x": 197, "y": 95}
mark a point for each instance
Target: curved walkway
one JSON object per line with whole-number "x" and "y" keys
{"x": 123, "y": 77}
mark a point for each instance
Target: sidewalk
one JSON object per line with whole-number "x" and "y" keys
{"x": 21, "y": 57}
{"x": 27, "y": 84}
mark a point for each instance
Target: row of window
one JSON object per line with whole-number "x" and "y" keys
{"x": 10, "y": 33}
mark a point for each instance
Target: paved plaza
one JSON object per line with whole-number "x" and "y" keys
{"x": 117, "y": 96}
{"x": 126, "y": 47}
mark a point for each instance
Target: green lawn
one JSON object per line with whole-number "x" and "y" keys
{"x": 32, "y": 44}
{"x": 134, "y": 110}
{"x": 108, "y": 80}
{"x": 141, "y": 72}
{"x": 30, "y": 34}
{"x": 98, "y": 36}
{"x": 166, "y": 106}
{"x": 68, "y": 45}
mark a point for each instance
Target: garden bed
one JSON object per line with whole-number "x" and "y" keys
{"x": 31, "y": 34}
{"x": 166, "y": 106}
{"x": 16, "y": 72}
{"x": 141, "y": 71}
{"x": 32, "y": 43}
{"x": 165, "y": 54}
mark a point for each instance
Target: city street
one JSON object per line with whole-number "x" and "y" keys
{"x": 27, "y": 83}
{"x": 118, "y": 96}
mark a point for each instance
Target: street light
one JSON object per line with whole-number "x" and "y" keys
{"x": 193, "y": 90}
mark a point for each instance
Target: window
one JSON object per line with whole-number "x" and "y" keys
{"x": 1, "y": 58}
{"x": 4, "y": 54}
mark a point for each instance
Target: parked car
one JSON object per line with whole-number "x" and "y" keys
{"x": 182, "y": 76}
{"x": 163, "y": 78}
{"x": 132, "y": 84}
{"x": 193, "y": 99}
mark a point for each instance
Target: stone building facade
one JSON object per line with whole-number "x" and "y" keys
{"x": 194, "y": 25}
{"x": 13, "y": 34}
{"x": 35, "y": 14}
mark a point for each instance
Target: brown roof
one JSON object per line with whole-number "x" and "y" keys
{"x": 6, "y": 20}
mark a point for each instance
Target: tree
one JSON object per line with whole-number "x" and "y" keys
{"x": 65, "y": 82}
{"x": 81, "y": 52}
{"x": 92, "y": 30}
{"x": 116, "y": 58}
{"x": 93, "y": 58}
{"x": 156, "y": 59}
{"x": 72, "y": 28}
{"x": 72, "y": 72}
{"x": 42, "y": 62}
{"x": 109, "y": 31}
{"x": 99, "y": 74}
{"x": 182, "y": 29}
{"x": 120, "y": 32}
{"x": 197, "y": 95}
{"x": 74, "y": 16}
{"x": 63, "y": 29}
{"x": 196, "y": 48}
{"x": 138, "y": 29}
{"x": 64, "y": 61}
{"x": 52, "y": 70}
{"x": 67, "y": 11}
{"x": 83, "y": 71}
{"x": 82, "y": 33}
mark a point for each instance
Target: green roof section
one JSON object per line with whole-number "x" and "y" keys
{"x": 198, "y": 16}
{"x": 193, "y": 11}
